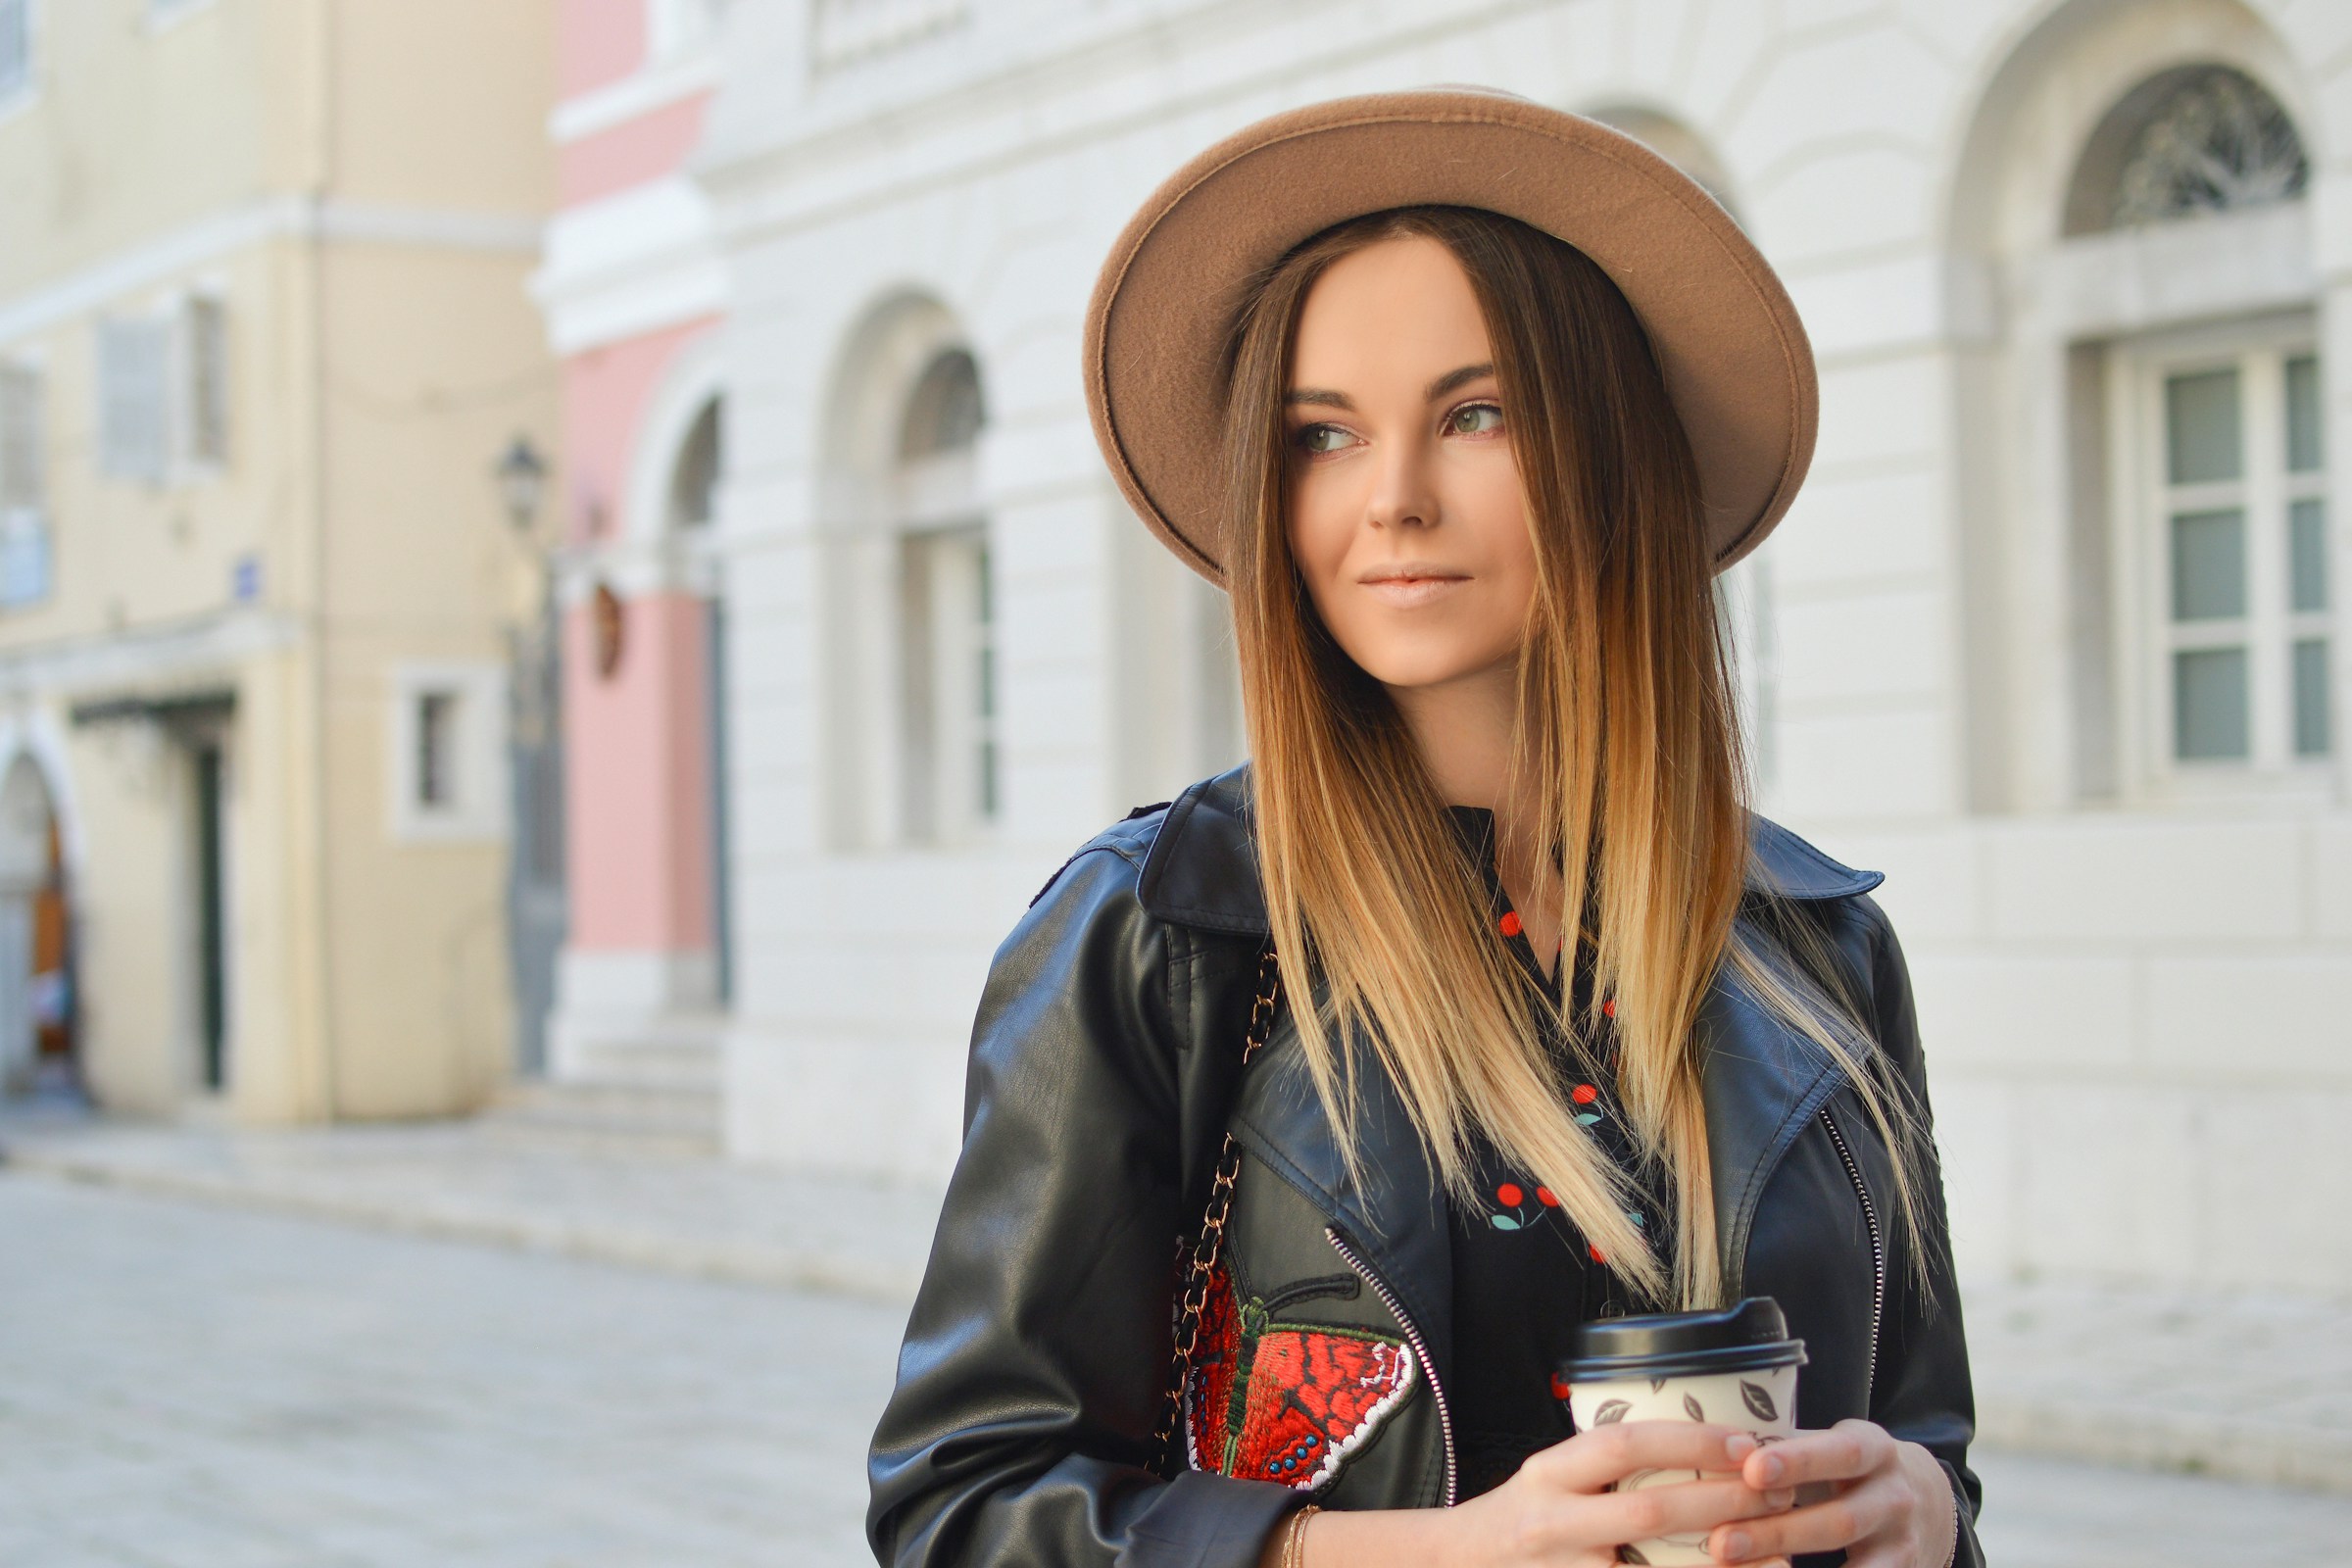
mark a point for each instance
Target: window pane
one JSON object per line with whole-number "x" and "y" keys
{"x": 16, "y": 45}
{"x": 2200, "y": 425}
{"x": 2303, "y": 415}
{"x": 436, "y": 716}
{"x": 2311, "y": 698}
{"x": 2307, "y": 553}
{"x": 2209, "y": 704}
{"x": 2209, "y": 564}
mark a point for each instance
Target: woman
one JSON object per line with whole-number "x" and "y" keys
{"x": 1465, "y": 400}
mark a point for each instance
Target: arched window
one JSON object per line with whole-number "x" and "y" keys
{"x": 947, "y": 656}
{"x": 2220, "y": 528}
{"x": 695, "y": 479}
{"x": 2196, "y": 140}
{"x": 2147, "y": 610}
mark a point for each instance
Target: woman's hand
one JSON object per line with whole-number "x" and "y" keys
{"x": 1558, "y": 1511}
{"x": 1889, "y": 1503}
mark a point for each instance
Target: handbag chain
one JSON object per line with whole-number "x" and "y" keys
{"x": 1204, "y": 1251}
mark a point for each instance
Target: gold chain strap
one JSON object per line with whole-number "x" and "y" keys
{"x": 1204, "y": 1251}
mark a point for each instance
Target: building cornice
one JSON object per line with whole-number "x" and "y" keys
{"x": 628, "y": 263}
{"x": 1001, "y": 99}
{"x": 163, "y": 257}
{"x": 637, "y": 94}
{"x": 147, "y": 660}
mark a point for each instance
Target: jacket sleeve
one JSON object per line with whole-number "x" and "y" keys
{"x": 1037, "y": 1357}
{"x": 1923, "y": 1392}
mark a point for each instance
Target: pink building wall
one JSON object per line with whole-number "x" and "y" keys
{"x": 638, "y": 812}
{"x": 646, "y": 148}
{"x": 597, "y": 43}
{"x": 606, "y": 391}
{"x": 637, "y": 745}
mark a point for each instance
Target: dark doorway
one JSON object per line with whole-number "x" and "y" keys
{"x": 212, "y": 917}
{"x": 537, "y": 913}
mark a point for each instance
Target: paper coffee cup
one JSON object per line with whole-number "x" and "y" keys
{"x": 1733, "y": 1368}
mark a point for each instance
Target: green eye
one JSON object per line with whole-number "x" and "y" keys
{"x": 1475, "y": 418}
{"x": 1316, "y": 440}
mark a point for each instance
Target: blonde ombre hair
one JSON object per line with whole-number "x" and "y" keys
{"x": 1627, "y": 743}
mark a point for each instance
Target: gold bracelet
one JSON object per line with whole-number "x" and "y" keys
{"x": 1293, "y": 1544}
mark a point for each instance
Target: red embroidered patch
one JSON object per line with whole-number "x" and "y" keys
{"x": 1308, "y": 1394}
{"x": 1315, "y": 1395}
{"x": 1215, "y": 1357}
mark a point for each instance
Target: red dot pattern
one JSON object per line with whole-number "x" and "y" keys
{"x": 1509, "y": 1195}
{"x": 1510, "y": 923}
{"x": 1584, "y": 1094}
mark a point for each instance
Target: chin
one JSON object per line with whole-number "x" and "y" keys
{"x": 1420, "y": 671}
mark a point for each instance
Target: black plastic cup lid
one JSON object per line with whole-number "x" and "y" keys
{"x": 1665, "y": 1345}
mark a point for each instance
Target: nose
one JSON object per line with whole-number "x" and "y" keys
{"x": 1403, "y": 494}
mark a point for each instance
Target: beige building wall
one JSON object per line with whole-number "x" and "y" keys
{"x": 359, "y": 186}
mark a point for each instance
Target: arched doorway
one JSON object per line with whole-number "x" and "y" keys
{"x": 37, "y": 1036}
{"x": 692, "y": 524}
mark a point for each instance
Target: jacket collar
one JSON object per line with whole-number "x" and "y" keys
{"x": 1201, "y": 870}
{"x": 1762, "y": 1081}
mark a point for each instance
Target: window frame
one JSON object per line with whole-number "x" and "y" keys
{"x": 26, "y": 89}
{"x": 2147, "y": 636}
{"x": 476, "y": 808}
{"x": 24, "y": 532}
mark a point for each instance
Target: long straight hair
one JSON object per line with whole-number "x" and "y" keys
{"x": 1626, "y": 744}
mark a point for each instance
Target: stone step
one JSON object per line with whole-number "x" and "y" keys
{"x": 648, "y": 1118}
{"x": 664, "y": 1053}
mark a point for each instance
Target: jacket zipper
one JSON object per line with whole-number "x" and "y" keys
{"x": 1878, "y": 1251}
{"x": 1413, "y": 1337}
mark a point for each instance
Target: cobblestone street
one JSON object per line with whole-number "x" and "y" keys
{"x": 190, "y": 1387}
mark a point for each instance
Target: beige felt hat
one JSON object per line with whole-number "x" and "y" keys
{"x": 1735, "y": 355}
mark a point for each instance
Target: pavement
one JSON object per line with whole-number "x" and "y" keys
{"x": 188, "y": 1384}
{"x": 295, "y": 1347}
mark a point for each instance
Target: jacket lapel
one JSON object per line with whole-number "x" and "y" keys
{"x": 1762, "y": 1081}
{"x": 1392, "y": 1207}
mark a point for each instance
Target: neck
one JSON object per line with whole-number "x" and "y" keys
{"x": 1464, "y": 730}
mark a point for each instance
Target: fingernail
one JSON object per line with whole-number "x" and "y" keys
{"x": 1772, "y": 1469}
{"x": 1737, "y": 1544}
{"x": 1739, "y": 1445}
{"x": 1781, "y": 1498}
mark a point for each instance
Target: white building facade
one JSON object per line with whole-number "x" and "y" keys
{"x": 2057, "y": 634}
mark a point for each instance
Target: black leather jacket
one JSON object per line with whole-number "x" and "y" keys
{"x": 1103, "y": 1073}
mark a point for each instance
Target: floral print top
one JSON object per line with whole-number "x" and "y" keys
{"x": 1523, "y": 1275}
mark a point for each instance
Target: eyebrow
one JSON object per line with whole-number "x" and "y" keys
{"x": 1325, "y": 398}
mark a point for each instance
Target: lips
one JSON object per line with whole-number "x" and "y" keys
{"x": 1407, "y": 586}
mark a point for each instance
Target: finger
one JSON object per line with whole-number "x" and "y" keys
{"x": 1683, "y": 1507}
{"x": 1841, "y": 1522}
{"x": 1595, "y": 1460}
{"x": 1846, "y": 1451}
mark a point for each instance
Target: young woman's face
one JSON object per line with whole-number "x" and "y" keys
{"x": 1404, "y": 508}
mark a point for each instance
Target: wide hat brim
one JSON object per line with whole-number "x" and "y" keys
{"x": 1732, "y": 350}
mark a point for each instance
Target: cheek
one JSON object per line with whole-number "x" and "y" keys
{"x": 1321, "y": 533}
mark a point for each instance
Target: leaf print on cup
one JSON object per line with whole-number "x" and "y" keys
{"x": 1657, "y": 1385}
{"x": 1611, "y": 1412}
{"x": 1758, "y": 1401}
{"x": 1693, "y": 1408}
{"x": 1629, "y": 1554}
